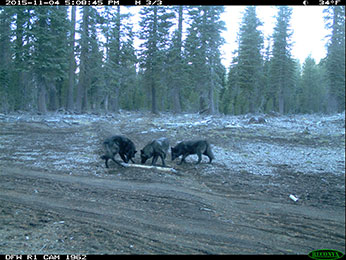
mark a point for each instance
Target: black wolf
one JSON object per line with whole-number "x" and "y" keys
{"x": 157, "y": 148}
{"x": 186, "y": 148}
{"x": 118, "y": 144}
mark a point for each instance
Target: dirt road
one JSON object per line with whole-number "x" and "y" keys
{"x": 57, "y": 197}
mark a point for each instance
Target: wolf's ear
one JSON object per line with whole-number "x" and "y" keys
{"x": 135, "y": 152}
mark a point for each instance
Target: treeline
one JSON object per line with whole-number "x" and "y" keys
{"x": 50, "y": 60}
{"x": 268, "y": 79}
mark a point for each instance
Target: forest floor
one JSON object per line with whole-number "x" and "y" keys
{"x": 57, "y": 197}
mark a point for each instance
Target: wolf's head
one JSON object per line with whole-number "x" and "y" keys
{"x": 144, "y": 157}
{"x": 130, "y": 155}
{"x": 175, "y": 153}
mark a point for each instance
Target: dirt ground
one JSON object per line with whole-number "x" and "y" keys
{"x": 57, "y": 197}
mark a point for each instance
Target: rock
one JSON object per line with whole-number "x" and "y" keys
{"x": 252, "y": 120}
{"x": 259, "y": 120}
{"x": 273, "y": 114}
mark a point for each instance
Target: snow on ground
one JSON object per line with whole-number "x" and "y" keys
{"x": 301, "y": 143}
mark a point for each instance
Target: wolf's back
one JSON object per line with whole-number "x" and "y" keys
{"x": 110, "y": 147}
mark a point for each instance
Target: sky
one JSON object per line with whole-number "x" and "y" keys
{"x": 307, "y": 23}
{"x": 309, "y": 32}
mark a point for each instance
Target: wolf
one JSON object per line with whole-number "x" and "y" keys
{"x": 118, "y": 144}
{"x": 186, "y": 148}
{"x": 156, "y": 148}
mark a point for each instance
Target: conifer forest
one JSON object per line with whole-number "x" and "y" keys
{"x": 84, "y": 59}
{"x": 101, "y": 105}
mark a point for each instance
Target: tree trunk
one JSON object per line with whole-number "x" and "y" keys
{"x": 153, "y": 66}
{"x": 281, "y": 102}
{"x": 153, "y": 97}
{"x": 211, "y": 91}
{"x": 81, "y": 98}
{"x": 106, "y": 102}
{"x": 176, "y": 87}
{"x": 85, "y": 99}
{"x": 115, "y": 103}
{"x": 53, "y": 102}
{"x": 176, "y": 99}
{"x": 72, "y": 62}
{"x": 117, "y": 86}
{"x": 203, "y": 107}
{"x": 42, "y": 105}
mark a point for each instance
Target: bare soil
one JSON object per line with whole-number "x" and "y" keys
{"x": 57, "y": 197}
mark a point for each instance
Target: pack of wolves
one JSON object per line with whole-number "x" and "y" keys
{"x": 155, "y": 149}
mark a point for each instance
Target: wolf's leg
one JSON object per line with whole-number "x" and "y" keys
{"x": 153, "y": 162}
{"x": 210, "y": 158}
{"x": 199, "y": 157}
{"x": 123, "y": 157}
{"x": 163, "y": 156}
{"x": 118, "y": 163}
{"x": 106, "y": 162}
{"x": 183, "y": 159}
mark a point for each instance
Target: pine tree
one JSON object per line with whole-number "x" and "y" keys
{"x": 42, "y": 46}
{"x": 203, "y": 55}
{"x": 155, "y": 24}
{"x": 129, "y": 85}
{"x": 24, "y": 91}
{"x": 268, "y": 92}
{"x": 308, "y": 86}
{"x": 311, "y": 94}
{"x": 291, "y": 93}
{"x": 72, "y": 62}
{"x": 49, "y": 59}
{"x": 230, "y": 96}
{"x": 282, "y": 67}
{"x": 120, "y": 61}
{"x": 96, "y": 64}
{"x": 90, "y": 70}
{"x": 196, "y": 65}
{"x": 323, "y": 86}
{"x": 128, "y": 61}
{"x": 111, "y": 27}
{"x": 83, "y": 80}
{"x": 216, "y": 69}
{"x": 5, "y": 60}
{"x": 250, "y": 61}
{"x": 335, "y": 63}
{"x": 175, "y": 64}
{"x": 59, "y": 29}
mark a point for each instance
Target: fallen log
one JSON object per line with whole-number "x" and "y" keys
{"x": 164, "y": 169}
